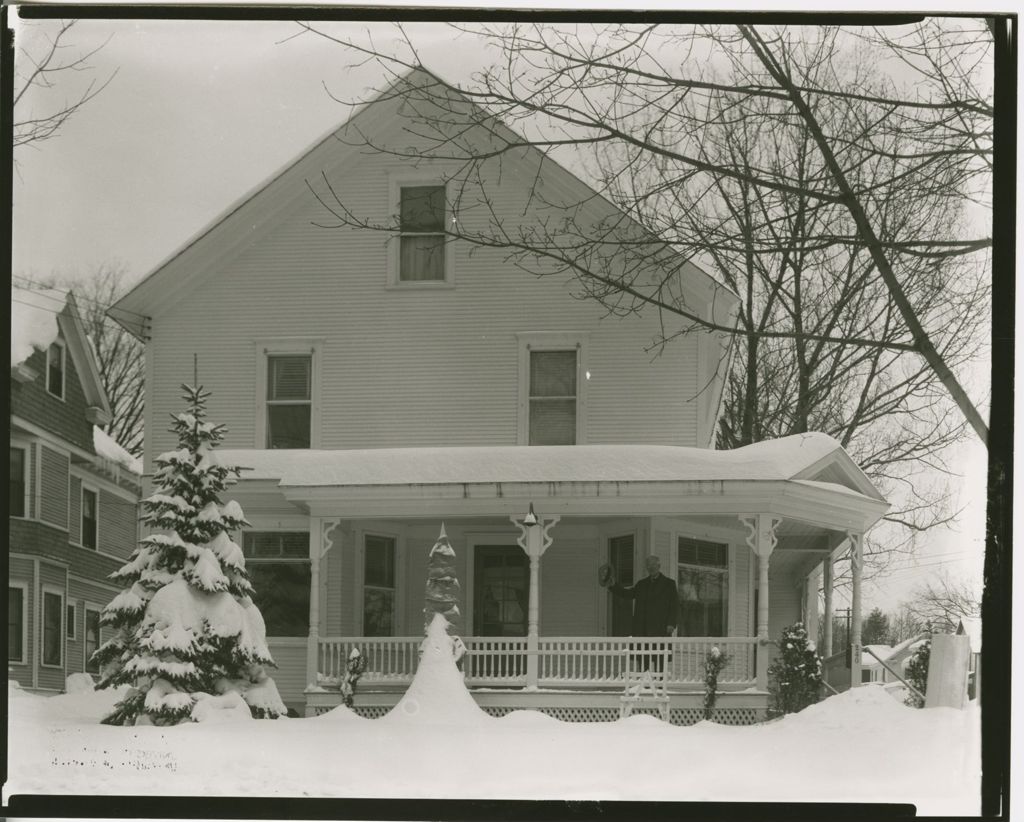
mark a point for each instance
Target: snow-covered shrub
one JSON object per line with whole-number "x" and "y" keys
{"x": 442, "y": 595}
{"x": 354, "y": 667}
{"x": 794, "y": 678}
{"x": 917, "y": 673}
{"x": 185, "y": 622}
{"x": 714, "y": 662}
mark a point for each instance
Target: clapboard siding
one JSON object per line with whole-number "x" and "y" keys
{"x": 54, "y": 492}
{"x": 84, "y": 593}
{"x": 23, "y": 571}
{"x": 290, "y": 673}
{"x": 31, "y": 454}
{"x": 118, "y": 525}
{"x": 570, "y": 598}
{"x": 407, "y": 367}
{"x": 75, "y": 515}
{"x": 51, "y": 575}
{"x": 784, "y": 593}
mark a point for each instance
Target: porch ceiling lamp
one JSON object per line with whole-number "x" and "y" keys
{"x": 531, "y": 518}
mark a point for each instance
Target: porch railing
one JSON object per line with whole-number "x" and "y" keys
{"x": 563, "y": 662}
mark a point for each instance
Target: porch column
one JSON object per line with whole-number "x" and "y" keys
{"x": 534, "y": 540}
{"x": 313, "y": 638}
{"x": 320, "y": 543}
{"x": 827, "y": 582}
{"x": 856, "y": 566}
{"x": 762, "y": 541}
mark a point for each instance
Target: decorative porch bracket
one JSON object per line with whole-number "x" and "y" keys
{"x": 856, "y": 567}
{"x": 762, "y": 541}
{"x": 319, "y": 544}
{"x": 534, "y": 540}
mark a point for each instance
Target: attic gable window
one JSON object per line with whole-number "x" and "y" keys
{"x": 55, "y": 363}
{"x": 553, "y": 397}
{"x": 553, "y": 377}
{"x": 422, "y": 234}
{"x": 289, "y": 401}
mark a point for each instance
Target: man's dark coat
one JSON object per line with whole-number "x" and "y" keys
{"x": 655, "y": 606}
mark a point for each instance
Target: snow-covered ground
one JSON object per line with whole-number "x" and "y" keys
{"x": 861, "y": 746}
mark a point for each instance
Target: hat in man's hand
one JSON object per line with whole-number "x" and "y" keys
{"x": 606, "y": 575}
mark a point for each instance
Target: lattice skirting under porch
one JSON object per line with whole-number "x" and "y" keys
{"x": 748, "y": 709}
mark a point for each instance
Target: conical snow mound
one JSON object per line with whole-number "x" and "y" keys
{"x": 437, "y": 695}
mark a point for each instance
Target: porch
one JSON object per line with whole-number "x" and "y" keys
{"x": 577, "y": 678}
{"x": 341, "y": 540}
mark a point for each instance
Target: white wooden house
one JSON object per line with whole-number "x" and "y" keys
{"x": 379, "y": 384}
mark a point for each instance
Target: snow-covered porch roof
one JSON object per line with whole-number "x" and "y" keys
{"x": 808, "y": 477}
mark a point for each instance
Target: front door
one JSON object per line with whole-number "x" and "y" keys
{"x": 620, "y": 556}
{"x": 501, "y": 590}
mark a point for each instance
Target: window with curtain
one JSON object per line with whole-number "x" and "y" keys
{"x": 553, "y": 397}
{"x": 53, "y": 634}
{"x": 90, "y": 518}
{"x": 278, "y": 566}
{"x": 15, "y": 624}
{"x": 92, "y": 639}
{"x": 422, "y": 238}
{"x": 289, "y": 401}
{"x": 379, "y": 586}
{"x": 703, "y": 582}
{"x": 17, "y": 483}
{"x": 55, "y": 370}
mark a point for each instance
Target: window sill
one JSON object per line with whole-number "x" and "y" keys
{"x": 419, "y": 285}
{"x": 18, "y": 662}
{"x": 51, "y": 666}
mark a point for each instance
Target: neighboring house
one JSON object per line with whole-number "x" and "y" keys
{"x": 73, "y": 495}
{"x": 379, "y": 386}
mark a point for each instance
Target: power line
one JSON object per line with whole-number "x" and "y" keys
{"x": 57, "y": 312}
{"x": 40, "y": 286}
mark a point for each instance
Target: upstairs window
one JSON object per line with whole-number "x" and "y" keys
{"x": 703, "y": 581}
{"x": 17, "y": 483}
{"x": 55, "y": 362}
{"x": 278, "y": 566}
{"x": 90, "y": 518}
{"x": 289, "y": 401}
{"x": 552, "y": 397}
{"x": 379, "y": 586}
{"x": 421, "y": 234}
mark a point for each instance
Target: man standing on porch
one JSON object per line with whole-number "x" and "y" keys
{"x": 655, "y": 605}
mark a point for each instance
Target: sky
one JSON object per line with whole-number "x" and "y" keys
{"x": 196, "y": 114}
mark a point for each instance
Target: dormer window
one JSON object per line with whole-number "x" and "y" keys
{"x": 55, "y": 362}
{"x": 421, "y": 256}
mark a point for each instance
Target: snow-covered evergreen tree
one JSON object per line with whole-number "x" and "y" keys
{"x": 442, "y": 586}
{"x": 442, "y": 596}
{"x": 794, "y": 678}
{"x": 187, "y": 629}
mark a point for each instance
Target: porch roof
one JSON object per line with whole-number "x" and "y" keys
{"x": 800, "y": 457}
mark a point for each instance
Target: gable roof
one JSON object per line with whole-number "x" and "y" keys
{"x": 237, "y": 223}
{"x": 37, "y": 318}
